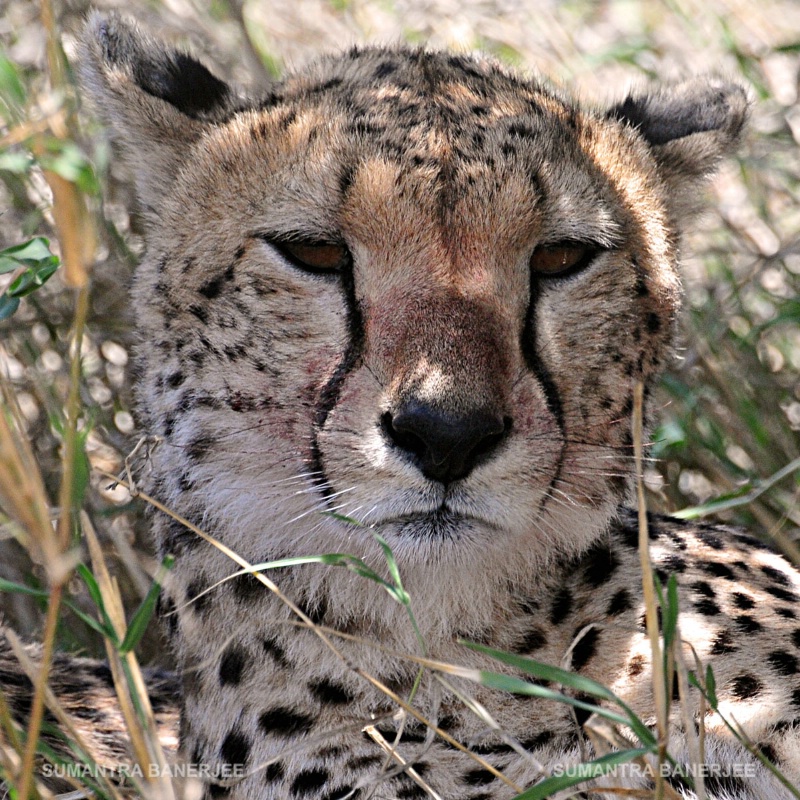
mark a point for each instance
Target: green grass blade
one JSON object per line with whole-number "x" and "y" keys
{"x": 508, "y": 683}
{"x": 578, "y": 683}
{"x": 97, "y": 597}
{"x": 147, "y": 607}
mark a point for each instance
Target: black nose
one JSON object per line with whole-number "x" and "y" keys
{"x": 445, "y": 446}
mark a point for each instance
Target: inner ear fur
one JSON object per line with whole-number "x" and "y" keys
{"x": 157, "y": 99}
{"x": 689, "y": 127}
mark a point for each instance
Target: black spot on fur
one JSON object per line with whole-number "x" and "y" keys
{"x": 723, "y": 643}
{"x": 718, "y": 570}
{"x": 235, "y": 748}
{"x": 741, "y": 600}
{"x": 776, "y": 575}
{"x": 364, "y": 762}
{"x": 384, "y": 69}
{"x": 782, "y": 594}
{"x": 247, "y": 588}
{"x": 200, "y": 312}
{"x": 273, "y": 649}
{"x": 582, "y": 714}
{"x": 783, "y": 662}
{"x": 212, "y": 289}
{"x": 653, "y": 322}
{"x": 710, "y": 540}
{"x": 492, "y": 749}
{"x": 601, "y": 564}
{"x": 746, "y": 687}
{"x": 232, "y": 666}
{"x": 562, "y": 606}
{"x": 768, "y": 751}
{"x": 619, "y": 603}
{"x": 176, "y": 379}
{"x": 330, "y": 693}
{"x": 316, "y": 612}
{"x": 479, "y": 777}
{"x": 177, "y": 538}
{"x": 674, "y": 563}
{"x": 103, "y": 673}
{"x": 274, "y": 772}
{"x": 786, "y": 613}
{"x": 704, "y": 588}
{"x": 285, "y": 722}
{"x": 585, "y": 648}
{"x": 706, "y": 607}
{"x": 411, "y": 791}
{"x": 309, "y": 781}
{"x": 540, "y": 740}
{"x": 532, "y": 640}
{"x": 747, "y": 624}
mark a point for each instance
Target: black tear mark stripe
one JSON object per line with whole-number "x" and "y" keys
{"x": 330, "y": 393}
{"x": 551, "y": 395}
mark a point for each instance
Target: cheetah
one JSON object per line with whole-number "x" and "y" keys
{"x": 410, "y": 293}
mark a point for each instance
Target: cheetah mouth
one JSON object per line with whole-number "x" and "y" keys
{"x": 441, "y": 523}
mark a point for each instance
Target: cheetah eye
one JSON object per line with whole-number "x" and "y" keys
{"x": 562, "y": 259}
{"x": 316, "y": 257}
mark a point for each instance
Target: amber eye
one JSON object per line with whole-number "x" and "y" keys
{"x": 314, "y": 256}
{"x": 563, "y": 259}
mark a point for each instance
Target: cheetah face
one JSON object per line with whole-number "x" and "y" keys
{"x": 405, "y": 287}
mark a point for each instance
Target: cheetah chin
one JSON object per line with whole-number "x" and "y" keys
{"x": 412, "y": 293}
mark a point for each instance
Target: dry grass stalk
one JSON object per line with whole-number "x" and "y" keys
{"x": 649, "y": 589}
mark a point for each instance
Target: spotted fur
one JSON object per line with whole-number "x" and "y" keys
{"x": 437, "y": 387}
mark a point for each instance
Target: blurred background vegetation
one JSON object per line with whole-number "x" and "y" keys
{"x": 729, "y": 408}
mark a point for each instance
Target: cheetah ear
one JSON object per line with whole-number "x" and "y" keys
{"x": 158, "y": 100}
{"x": 689, "y": 127}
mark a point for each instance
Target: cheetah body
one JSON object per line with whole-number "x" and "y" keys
{"x": 337, "y": 273}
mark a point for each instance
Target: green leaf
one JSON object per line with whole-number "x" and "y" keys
{"x": 72, "y": 164}
{"x": 8, "y": 305}
{"x": 32, "y": 279}
{"x": 508, "y": 683}
{"x": 670, "y": 612}
{"x": 19, "y": 588}
{"x": 18, "y": 163}
{"x": 11, "y": 88}
{"x": 393, "y": 569}
{"x": 105, "y": 630}
{"x": 711, "y": 687}
{"x": 97, "y": 597}
{"x": 39, "y": 265}
{"x": 81, "y": 466}
{"x": 28, "y": 253}
{"x": 141, "y": 618}
{"x": 579, "y": 773}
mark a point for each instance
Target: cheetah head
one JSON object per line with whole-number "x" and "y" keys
{"x": 407, "y": 287}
